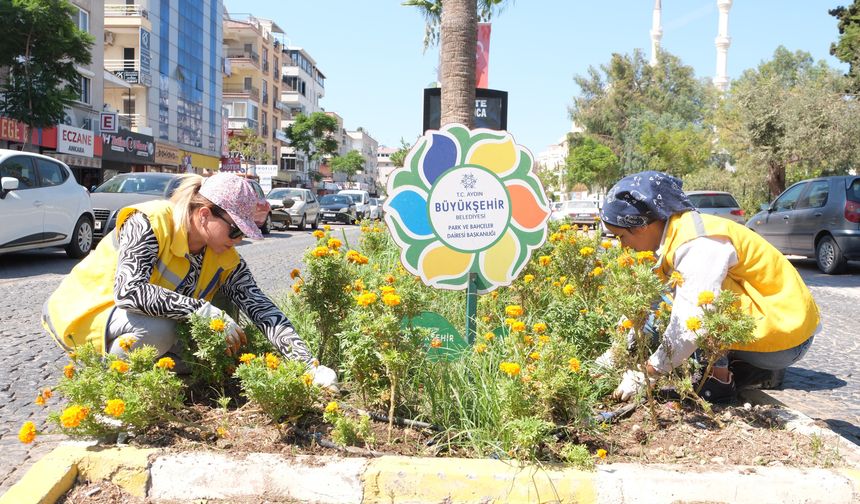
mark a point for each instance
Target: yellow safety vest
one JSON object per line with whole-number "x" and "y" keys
{"x": 78, "y": 311}
{"x": 769, "y": 287}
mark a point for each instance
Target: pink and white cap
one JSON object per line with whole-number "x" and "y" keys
{"x": 235, "y": 196}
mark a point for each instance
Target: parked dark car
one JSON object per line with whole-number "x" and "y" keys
{"x": 337, "y": 208}
{"x": 719, "y": 203}
{"x": 815, "y": 218}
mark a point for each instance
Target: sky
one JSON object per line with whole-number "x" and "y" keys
{"x": 371, "y": 51}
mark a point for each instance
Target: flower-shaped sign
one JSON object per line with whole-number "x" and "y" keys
{"x": 466, "y": 201}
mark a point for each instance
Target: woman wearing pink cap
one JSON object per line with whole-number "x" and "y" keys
{"x": 165, "y": 261}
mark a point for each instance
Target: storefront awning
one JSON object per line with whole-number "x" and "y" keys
{"x": 80, "y": 161}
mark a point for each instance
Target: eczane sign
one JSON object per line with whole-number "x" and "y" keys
{"x": 76, "y": 141}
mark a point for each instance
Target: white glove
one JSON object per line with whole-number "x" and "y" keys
{"x": 632, "y": 383}
{"x": 234, "y": 336}
{"x": 324, "y": 377}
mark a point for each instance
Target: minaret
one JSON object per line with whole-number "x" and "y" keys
{"x": 723, "y": 41}
{"x": 656, "y": 32}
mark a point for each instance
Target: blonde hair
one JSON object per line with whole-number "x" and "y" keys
{"x": 186, "y": 198}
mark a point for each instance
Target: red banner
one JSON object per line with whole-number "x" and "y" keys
{"x": 482, "y": 56}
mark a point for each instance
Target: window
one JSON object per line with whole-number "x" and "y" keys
{"x": 82, "y": 19}
{"x": 816, "y": 196}
{"x": 788, "y": 198}
{"x": 50, "y": 173}
{"x": 21, "y": 168}
{"x": 238, "y": 109}
{"x": 86, "y": 89}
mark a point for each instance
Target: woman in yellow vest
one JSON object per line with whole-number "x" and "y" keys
{"x": 165, "y": 261}
{"x": 649, "y": 211}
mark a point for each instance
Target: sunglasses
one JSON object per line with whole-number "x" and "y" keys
{"x": 234, "y": 232}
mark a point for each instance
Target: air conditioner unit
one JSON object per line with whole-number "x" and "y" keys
{"x": 109, "y": 38}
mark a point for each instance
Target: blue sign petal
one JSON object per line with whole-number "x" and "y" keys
{"x": 412, "y": 208}
{"x": 441, "y": 156}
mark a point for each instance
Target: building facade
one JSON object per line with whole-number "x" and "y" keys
{"x": 365, "y": 144}
{"x": 384, "y": 167}
{"x": 302, "y": 88}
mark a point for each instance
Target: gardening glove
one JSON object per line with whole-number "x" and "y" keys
{"x": 324, "y": 377}
{"x": 234, "y": 336}
{"x": 632, "y": 382}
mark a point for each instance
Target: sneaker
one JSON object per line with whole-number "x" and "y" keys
{"x": 748, "y": 376}
{"x": 717, "y": 391}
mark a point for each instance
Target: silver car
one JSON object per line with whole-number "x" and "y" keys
{"x": 128, "y": 189}
{"x": 718, "y": 203}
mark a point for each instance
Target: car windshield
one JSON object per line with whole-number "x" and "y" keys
{"x": 713, "y": 201}
{"x": 281, "y": 194}
{"x": 854, "y": 191}
{"x": 329, "y": 199}
{"x": 137, "y": 183}
{"x": 586, "y": 205}
{"x": 374, "y": 202}
{"x": 356, "y": 198}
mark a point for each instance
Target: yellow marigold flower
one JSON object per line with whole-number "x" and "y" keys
{"x": 115, "y": 407}
{"x": 562, "y": 278}
{"x": 583, "y": 311}
{"x": 119, "y": 366}
{"x": 510, "y": 368}
{"x": 334, "y": 243}
{"x": 494, "y": 294}
{"x": 544, "y": 260}
{"x": 626, "y": 260}
{"x": 327, "y": 227}
{"x": 485, "y": 319}
{"x": 658, "y": 313}
{"x": 27, "y": 433}
{"x": 221, "y": 432}
{"x": 366, "y": 299}
{"x": 597, "y": 271}
{"x": 645, "y": 256}
{"x": 694, "y": 323}
{"x": 332, "y": 407}
{"x": 534, "y": 356}
{"x": 706, "y": 298}
{"x": 676, "y": 280}
{"x": 664, "y": 306}
{"x": 353, "y": 256}
{"x": 435, "y": 343}
{"x": 601, "y": 453}
{"x": 527, "y": 339}
{"x": 543, "y": 339}
{"x": 272, "y": 361}
{"x": 307, "y": 379}
{"x": 295, "y": 273}
{"x": 69, "y": 371}
{"x": 586, "y": 251}
{"x": 318, "y": 234}
{"x": 73, "y": 416}
{"x": 556, "y": 284}
{"x": 365, "y": 229}
{"x": 564, "y": 227}
{"x": 555, "y": 237}
{"x": 320, "y": 252}
{"x": 165, "y": 363}
{"x": 386, "y": 289}
{"x": 528, "y": 279}
{"x": 514, "y": 311}
{"x": 627, "y": 324}
{"x": 510, "y": 321}
{"x": 518, "y": 326}
{"x": 391, "y": 299}
{"x": 358, "y": 285}
{"x": 389, "y": 278}
{"x": 126, "y": 342}
{"x": 539, "y": 328}
{"x": 568, "y": 290}
{"x": 297, "y": 288}
{"x": 606, "y": 244}
{"x": 246, "y": 358}
{"x": 217, "y": 325}
{"x": 489, "y": 336}
{"x": 573, "y": 364}
{"x": 40, "y": 400}
{"x": 480, "y": 348}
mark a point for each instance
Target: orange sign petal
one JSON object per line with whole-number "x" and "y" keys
{"x": 527, "y": 212}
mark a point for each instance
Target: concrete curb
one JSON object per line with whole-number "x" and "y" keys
{"x": 160, "y": 475}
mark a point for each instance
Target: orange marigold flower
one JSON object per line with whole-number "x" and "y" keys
{"x": 486, "y": 319}
{"x": 386, "y": 289}
{"x": 518, "y": 326}
{"x": 320, "y": 252}
{"x": 295, "y": 273}
{"x": 318, "y": 234}
{"x": 645, "y": 256}
{"x": 73, "y": 416}
{"x": 480, "y": 348}
{"x": 564, "y": 227}
{"x": 366, "y": 299}
{"x": 527, "y": 339}
{"x": 601, "y": 453}
{"x": 353, "y": 256}
{"x": 435, "y": 343}
{"x": 534, "y": 356}
{"x": 568, "y": 290}
{"x": 327, "y": 227}
{"x": 706, "y": 298}
{"x": 272, "y": 361}
{"x": 334, "y": 243}
{"x": 27, "y": 433}
{"x": 627, "y": 324}
{"x": 514, "y": 311}
{"x": 40, "y": 400}
{"x": 126, "y": 342}
{"x": 389, "y": 278}
{"x": 676, "y": 280}
{"x": 606, "y": 244}
{"x": 217, "y": 325}
{"x": 556, "y": 284}
{"x": 47, "y": 393}
{"x": 573, "y": 364}
{"x": 543, "y": 339}
{"x": 115, "y": 407}
{"x": 544, "y": 260}
{"x": 297, "y": 287}
{"x": 694, "y": 323}
{"x": 245, "y": 358}
{"x": 625, "y": 260}
{"x": 528, "y": 278}
{"x": 391, "y": 299}
{"x": 586, "y": 251}
{"x": 489, "y": 336}
{"x": 555, "y": 237}
{"x": 596, "y": 271}
{"x": 510, "y": 321}
{"x": 510, "y": 368}
{"x": 539, "y": 328}
{"x": 119, "y": 366}
{"x": 365, "y": 229}
{"x": 494, "y": 294}
{"x": 69, "y": 370}
{"x": 165, "y": 363}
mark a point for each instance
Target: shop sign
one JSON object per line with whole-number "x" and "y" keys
{"x": 12, "y": 130}
{"x": 231, "y": 164}
{"x": 76, "y": 141}
{"x": 108, "y": 122}
{"x": 167, "y": 155}
{"x": 128, "y": 147}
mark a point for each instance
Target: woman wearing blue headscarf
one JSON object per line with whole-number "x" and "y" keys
{"x": 649, "y": 211}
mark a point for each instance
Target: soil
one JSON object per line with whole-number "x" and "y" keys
{"x": 739, "y": 434}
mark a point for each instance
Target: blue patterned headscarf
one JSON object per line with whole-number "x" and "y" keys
{"x": 641, "y": 198}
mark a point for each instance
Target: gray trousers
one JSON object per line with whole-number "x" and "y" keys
{"x": 158, "y": 332}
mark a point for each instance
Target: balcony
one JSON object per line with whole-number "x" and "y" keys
{"x": 243, "y": 59}
{"x": 130, "y": 121}
{"x": 233, "y": 89}
{"x": 123, "y": 10}
{"x": 279, "y": 134}
{"x": 240, "y": 123}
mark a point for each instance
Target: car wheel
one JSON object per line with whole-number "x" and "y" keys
{"x": 301, "y": 225}
{"x": 829, "y": 256}
{"x": 82, "y": 239}
{"x": 267, "y": 225}
{"x": 316, "y": 223}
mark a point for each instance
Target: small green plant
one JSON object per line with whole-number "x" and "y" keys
{"x": 347, "y": 431}
{"x": 108, "y": 395}
{"x": 577, "y": 455}
{"x": 284, "y": 390}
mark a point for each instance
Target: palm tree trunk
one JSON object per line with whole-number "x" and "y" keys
{"x": 459, "y": 38}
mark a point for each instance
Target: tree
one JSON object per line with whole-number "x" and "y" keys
{"x": 399, "y": 156}
{"x": 790, "y": 113}
{"x": 349, "y": 164}
{"x": 250, "y": 147}
{"x": 456, "y": 26}
{"x": 39, "y": 49}
{"x": 640, "y": 111}
{"x": 313, "y": 135}
{"x": 847, "y": 48}
{"x": 591, "y": 163}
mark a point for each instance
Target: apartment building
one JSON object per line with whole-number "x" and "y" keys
{"x": 166, "y": 56}
{"x": 361, "y": 141}
{"x": 384, "y": 167}
{"x": 252, "y": 84}
{"x": 303, "y": 86}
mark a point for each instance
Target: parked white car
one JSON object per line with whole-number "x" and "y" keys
{"x": 361, "y": 200}
{"x": 42, "y": 205}
{"x": 304, "y": 210}
{"x": 375, "y": 209}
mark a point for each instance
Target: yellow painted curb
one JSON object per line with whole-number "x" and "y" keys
{"x": 854, "y": 475}
{"x": 405, "y": 479}
{"x": 52, "y": 476}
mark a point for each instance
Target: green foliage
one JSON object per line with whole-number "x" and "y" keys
{"x": 578, "y": 456}
{"x": 348, "y": 431}
{"x": 399, "y": 156}
{"x": 282, "y": 389}
{"x": 148, "y": 393}
{"x": 523, "y": 438}
{"x": 313, "y": 135}
{"x": 350, "y": 163}
{"x": 591, "y": 163}
{"x": 432, "y": 12}
{"x": 847, "y": 47}
{"x": 724, "y": 323}
{"x": 40, "y": 47}
{"x": 250, "y": 146}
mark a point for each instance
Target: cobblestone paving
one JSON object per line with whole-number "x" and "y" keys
{"x": 822, "y": 385}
